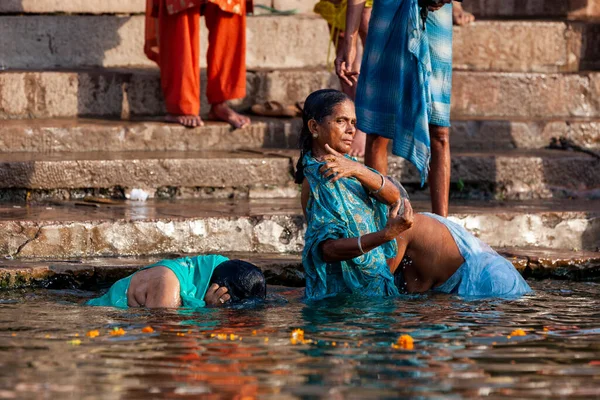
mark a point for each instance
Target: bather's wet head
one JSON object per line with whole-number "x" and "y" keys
{"x": 242, "y": 280}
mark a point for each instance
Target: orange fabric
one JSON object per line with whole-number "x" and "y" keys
{"x": 230, "y": 6}
{"x": 176, "y": 50}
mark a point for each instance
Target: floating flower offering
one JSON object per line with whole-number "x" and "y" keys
{"x": 117, "y": 332}
{"x": 93, "y": 334}
{"x": 75, "y": 342}
{"x": 405, "y": 342}
{"x": 518, "y": 332}
{"x": 147, "y": 329}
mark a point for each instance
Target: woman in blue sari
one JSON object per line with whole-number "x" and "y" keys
{"x": 360, "y": 224}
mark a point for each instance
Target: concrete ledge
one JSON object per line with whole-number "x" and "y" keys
{"x": 127, "y": 93}
{"x": 272, "y": 226}
{"x": 286, "y": 270}
{"x": 538, "y": 8}
{"x": 42, "y": 42}
{"x": 58, "y": 135}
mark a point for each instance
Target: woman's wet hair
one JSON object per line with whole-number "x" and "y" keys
{"x": 242, "y": 280}
{"x": 318, "y": 106}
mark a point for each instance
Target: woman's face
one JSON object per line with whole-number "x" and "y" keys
{"x": 337, "y": 130}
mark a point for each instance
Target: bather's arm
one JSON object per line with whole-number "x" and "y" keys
{"x": 344, "y": 62}
{"x": 346, "y": 249}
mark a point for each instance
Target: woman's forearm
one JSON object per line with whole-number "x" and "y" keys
{"x": 387, "y": 192}
{"x": 353, "y": 17}
{"x": 346, "y": 249}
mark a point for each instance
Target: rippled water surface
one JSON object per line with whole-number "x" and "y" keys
{"x": 461, "y": 349}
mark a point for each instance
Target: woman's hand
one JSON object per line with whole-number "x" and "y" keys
{"x": 216, "y": 295}
{"x": 338, "y": 166}
{"x": 397, "y": 224}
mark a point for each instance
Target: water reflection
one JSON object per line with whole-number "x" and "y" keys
{"x": 462, "y": 349}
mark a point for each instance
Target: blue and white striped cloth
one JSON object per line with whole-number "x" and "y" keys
{"x": 406, "y": 78}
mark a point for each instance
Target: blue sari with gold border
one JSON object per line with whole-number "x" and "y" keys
{"x": 338, "y": 210}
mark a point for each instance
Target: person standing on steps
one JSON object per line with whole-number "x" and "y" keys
{"x": 403, "y": 93}
{"x": 334, "y": 12}
{"x": 173, "y": 42}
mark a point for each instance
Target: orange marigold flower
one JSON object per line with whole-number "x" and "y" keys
{"x": 297, "y": 336}
{"x": 93, "y": 333}
{"x": 147, "y": 329}
{"x": 518, "y": 332}
{"x": 117, "y": 332}
{"x": 405, "y": 342}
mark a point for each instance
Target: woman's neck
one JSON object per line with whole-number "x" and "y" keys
{"x": 318, "y": 153}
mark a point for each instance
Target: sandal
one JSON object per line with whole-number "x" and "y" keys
{"x": 274, "y": 109}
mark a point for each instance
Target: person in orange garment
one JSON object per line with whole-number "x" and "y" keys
{"x": 173, "y": 42}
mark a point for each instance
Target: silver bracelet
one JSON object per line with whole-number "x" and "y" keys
{"x": 382, "y": 185}
{"x": 360, "y": 246}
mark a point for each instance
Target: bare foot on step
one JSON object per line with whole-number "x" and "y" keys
{"x": 358, "y": 144}
{"x": 459, "y": 16}
{"x": 222, "y": 112}
{"x": 189, "y": 121}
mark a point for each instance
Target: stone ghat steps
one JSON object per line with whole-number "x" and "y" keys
{"x": 49, "y": 136}
{"x": 279, "y": 269}
{"x": 299, "y": 41}
{"x": 126, "y": 93}
{"x": 64, "y": 230}
{"x": 575, "y": 9}
{"x": 482, "y": 8}
{"x": 260, "y": 173}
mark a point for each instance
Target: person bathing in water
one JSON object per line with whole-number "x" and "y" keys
{"x": 193, "y": 282}
{"x": 361, "y": 224}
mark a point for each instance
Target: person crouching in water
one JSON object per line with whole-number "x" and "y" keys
{"x": 192, "y": 282}
{"x": 361, "y": 224}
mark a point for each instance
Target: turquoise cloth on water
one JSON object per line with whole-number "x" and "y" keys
{"x": 405, "y": 81}
{"x": 484, "y": 273}
{"x": 193, "y": 273}
{"x": 344, "y": 209}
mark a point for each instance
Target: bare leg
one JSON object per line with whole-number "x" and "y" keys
{"x": 459, "y": 16}
{"x": 156, "y": 287}
{"x": 376, "y": 154}
{"x": 189, "y": 121}
{"x": 439, "y": 174}
{"x": 222, "y": 112}
{"x": 360, "y": 138}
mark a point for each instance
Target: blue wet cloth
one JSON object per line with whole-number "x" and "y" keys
{"x": 484, "y": 273}
{"x": 193, "y": 273}
{"x": 344, "y": 209}
{"x": 406, "y": 78}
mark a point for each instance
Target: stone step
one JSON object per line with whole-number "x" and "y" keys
{"x": 129, "y": 92}
{"x": 72, "y": 6}
{"x": 87, "y": 135}
{"x": 299, "y": 41}
{"x": 482, "y": 8}
{"x": 279, "y": 269}
{"x": 256, "y": 173}
{"x": 64, "y": 230}
{"x": 121, "y": 6}
{"x": 575, "y": 9}
{"x": 68, "y": 41}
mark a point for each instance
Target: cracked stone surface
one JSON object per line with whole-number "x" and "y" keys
{"x": 257, "y": 226}
{"x": 537, "y": 8}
